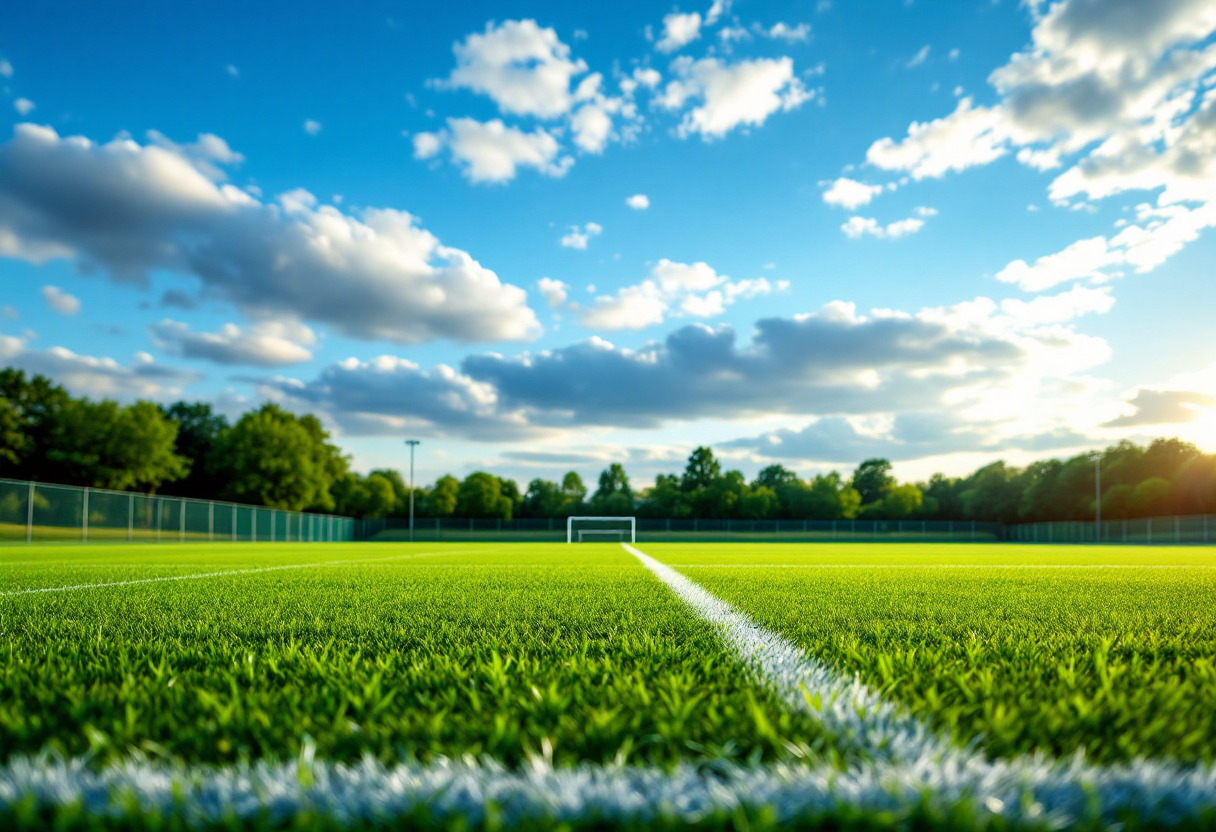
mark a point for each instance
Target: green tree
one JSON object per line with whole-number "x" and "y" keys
{"x": 480, "y": 495}
{"x": 274, "y": 458}
{"x": 1151, "y": 498}
{"x": 993, "y": 494}
{"x": 702, "y": 469}
{"x": 872, "y": 480}
{"x": 401, "y": 492}
{"x": 510, "y": 490}
{"x": 14, "y": 444}
{"x": 614, "y": 496}
{"x": 106, "y": 445}
{"x": 665, "y": 500}
{"x": 198, "y": 428}
{"x": 758, "y": 503}
{"x": 902, "y": 502}
{"x": 773, "y": 477}
{"x": 574, "y": 490}
{"x": 363, "y": 497}
{"x": 36, "y": 403}
{"x": 544, "y": 498}
{"x": 442, "y": 497}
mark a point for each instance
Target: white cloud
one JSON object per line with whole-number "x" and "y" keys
{"x": 647, "y": 77}
{"x": 87, "y": 375}
{"x": 311, "y": 127}
{"x": 23, "y": 106}
{"x": 265, "y": 344}
{"x": 850, "y": 194}
{"x": 525, "y": 69}
{"x": 685, "y": 289}
{"x": 60, "y": 301}
{"x": 6, "y": 68}
{"x": 9, "y": 313}
{"x": 555, "y": 292}
{"x": 232, "y": 71}
{"x": 867, "y": 226}
{"x": 679, "y": 30}
{"x": 427, "y": 145}
{"x": 744, "y": 93}
{"x": 493, "y": 152}
{"x": 578, "y": 237}
{"x": 127, "y": 209}
{"x": 716, "y": 10}
{"x": 790, "y": 34}
{"x": 591, "y": 124}
{"x": 1117, "y": 93}
{"x": 920, "y": 57}
{"x": 638, "y": 202}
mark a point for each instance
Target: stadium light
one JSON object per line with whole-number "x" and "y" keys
{"x": 413, "y": 443}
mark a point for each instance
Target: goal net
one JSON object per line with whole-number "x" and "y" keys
{"x": 601, "y": 529}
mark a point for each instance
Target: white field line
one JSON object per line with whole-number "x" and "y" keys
{"x": 941, "y": 566}
{"x": 227, "y": 572}
{"x": 887, "y": 734}
{"x": 1041, "y": 797}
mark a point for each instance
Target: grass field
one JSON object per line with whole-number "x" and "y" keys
{"x": 448, "y": 678}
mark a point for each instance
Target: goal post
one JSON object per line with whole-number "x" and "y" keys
{"x": 584, "y": 529}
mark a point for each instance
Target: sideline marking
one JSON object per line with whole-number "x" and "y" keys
{"x": 941, "y": 566}
{"x": 846, "y": 707}
{"x": 198, "y": 575}
{"x": 1028, "y": 793}
{"x": 886, "y": 733}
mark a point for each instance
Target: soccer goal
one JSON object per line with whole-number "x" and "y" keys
{"x": 588, "y": 529}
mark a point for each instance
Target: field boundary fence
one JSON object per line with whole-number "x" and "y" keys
{"x": 1192, "y": 529}
{"x": 36, "y": 512}
{"x": 431, "y": 529}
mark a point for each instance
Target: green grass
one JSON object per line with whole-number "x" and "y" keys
{"x": 1120, "y": 662}
{"x": 395, "y": 651}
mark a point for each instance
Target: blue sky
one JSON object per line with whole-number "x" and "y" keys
{"x": 942, "y": 232}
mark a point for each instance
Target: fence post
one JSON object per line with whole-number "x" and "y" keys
{"x": 160, "y": 501}
{"x": 130, "y": 517}
{"x": 29, "y": 516}
{"x": 84, "y": 517}
{"x": 211, "y": 522}
{"x": 181, "y": 518}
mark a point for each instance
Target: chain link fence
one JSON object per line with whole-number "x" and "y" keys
{"x": 818, "y": 531}
{"x": 1195, "y": 529}
{"x": 34, "y": 512}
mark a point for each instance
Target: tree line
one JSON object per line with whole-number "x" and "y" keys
{"x": 275, "y": 458}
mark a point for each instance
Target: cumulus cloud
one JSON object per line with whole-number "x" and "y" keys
{"x": 638, "y": 202}
{"x": 493, "y": 152}
{"x": 1118, "y": 93}
{"x": 524, "y": 69}
{"x": 6, "y": 68}
{"x": 60, "y": 301}
{"x": 23, "y": 106}
{"x": 86, "y": 375}
{"x": 679, "y": 30}
{"x": 265, "y": 344}
{"x": 857, "y": 227}
{"x": 1164, "y": 407}
{"x": 311, "y": 127}
{"x": 903, "y": 436}
{"x": 578, "y": 236}
{"x": 129, "y": 209}
{"x": 388, "y": 395}
{"x": 790, "y": 34}
{"x": 850, "y": 194}
{"x": 731, "y": 95}
{"x": 555, "y": 292}
{"x": 679, "y": 289}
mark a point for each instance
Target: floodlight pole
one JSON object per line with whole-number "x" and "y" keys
{"x": 413, "y": 443}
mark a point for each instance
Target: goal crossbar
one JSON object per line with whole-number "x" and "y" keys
{"x": 632, "y": 532}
